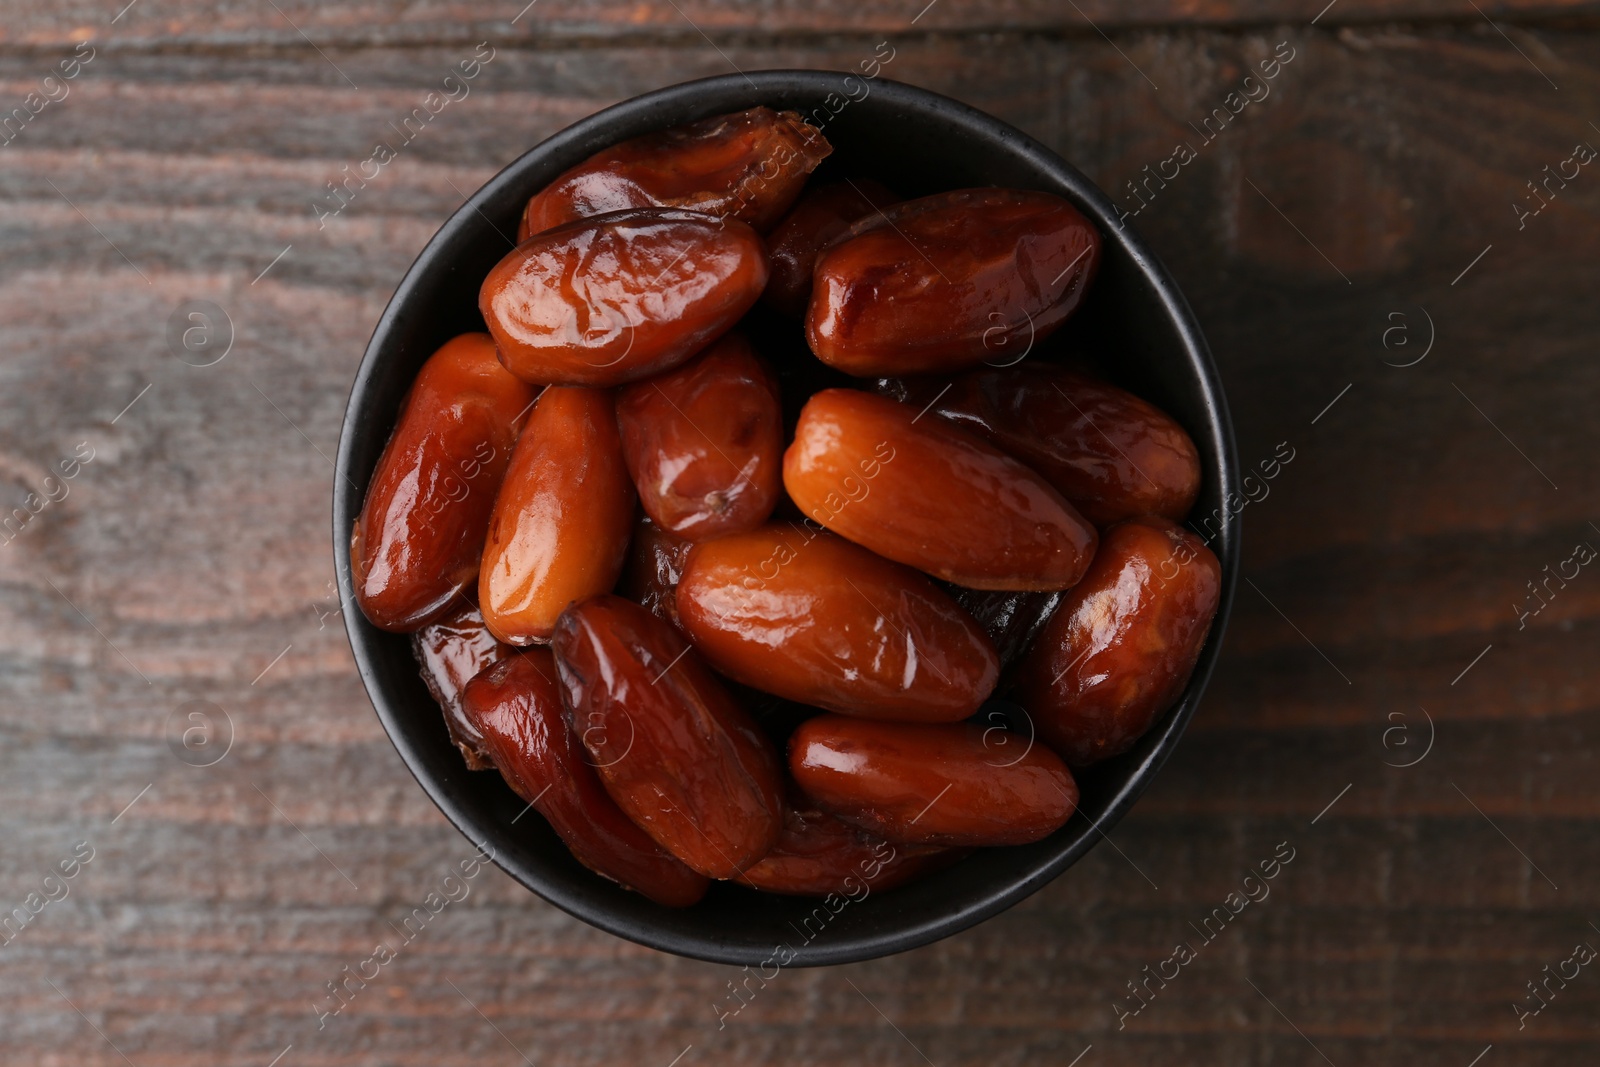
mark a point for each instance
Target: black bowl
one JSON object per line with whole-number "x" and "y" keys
{"x": 917, "y": 142}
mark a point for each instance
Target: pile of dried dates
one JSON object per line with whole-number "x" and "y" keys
{"x": 707, "y": 635}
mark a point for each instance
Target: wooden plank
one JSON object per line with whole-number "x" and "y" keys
{"x": 293, "y": 23}
{"x": 193, "y": 550}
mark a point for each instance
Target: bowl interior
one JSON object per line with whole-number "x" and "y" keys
{"x": 916, "y": 142}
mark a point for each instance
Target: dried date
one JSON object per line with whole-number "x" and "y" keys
{"x": 951, "y": 784}
{"x": 822, "y": 216}
{"x": 1119, "y": 650}
{"x": 560, "y": 525}
{"x": 686, "y": 763}
{"x": 619, "y": 297}
{"x": 749, "y": 165}
{"x": 796, "y": 611}
{"x": 516, "y": 708}
{"x": 818, "y": 854}
{"x": 950, "y": 281}
{"x": 1111, "y": 454}
{"x": 704, "y": 442}
{"x": 924, "y": 493}
{"x": 450, "y": 652}
{"x": 416, "y": 545}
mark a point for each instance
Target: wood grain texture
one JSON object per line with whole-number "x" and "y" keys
{"x": 193, "y": 550}
{"x": 294, "y": 23}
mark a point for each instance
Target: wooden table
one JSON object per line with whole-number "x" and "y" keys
{"x": 1351, "y": 243}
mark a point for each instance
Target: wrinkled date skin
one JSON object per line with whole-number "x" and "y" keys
{"x": 1011, "y": 620}
{"x": 919, "y": 491}
{"x": 655, "y": 563}
{"x": 516, "y": 708}
{"x": 675, "y": 752}
{"x": 416, "y": 545}
{"x": 620, "y": 297}
{"x": 1119, "y": 650}
{"x": 1111, "y": 454}
{"x": 748, "y": 166}
{"x": 818, "y": 854}
{"x": 949, "y": 784}
{"x": 811, "y": 617}
{"x": 950, "y": 281}
{"x": 450, "y": 652}
{"x": 704, "y": 443}
{"x": 821, "y": 216}
{"x": 560, "y": 526}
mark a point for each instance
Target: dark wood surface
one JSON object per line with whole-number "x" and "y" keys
{"x": 1373, "y": 190}
{"x": 299, "y": 22}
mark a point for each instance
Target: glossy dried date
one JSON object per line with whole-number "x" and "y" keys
{"x": 1111, "y": 454}
{"x": 749, "y": 166}
{"x": 560, "y": 526}
{"x": 933, "y": 784}
{"x": 516, "y": 708}
{"x": 654, "y": 565}
{"x": 1119, "y": 650}
{"x": 822, "y": 215}
{"x": 796, "y": 611}
{"x": 450, "y": 652}
{"x": 676, "y": 753}
{"x": 818, "y": 854}
{"x": 416, "y": 545}
{"x": 619, "y": 297}
{"x": 950, "y": 281}
{"x": 924, "y": 493}
{"x": 704, "y": 443}
{"x": 1011, "y": 619}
